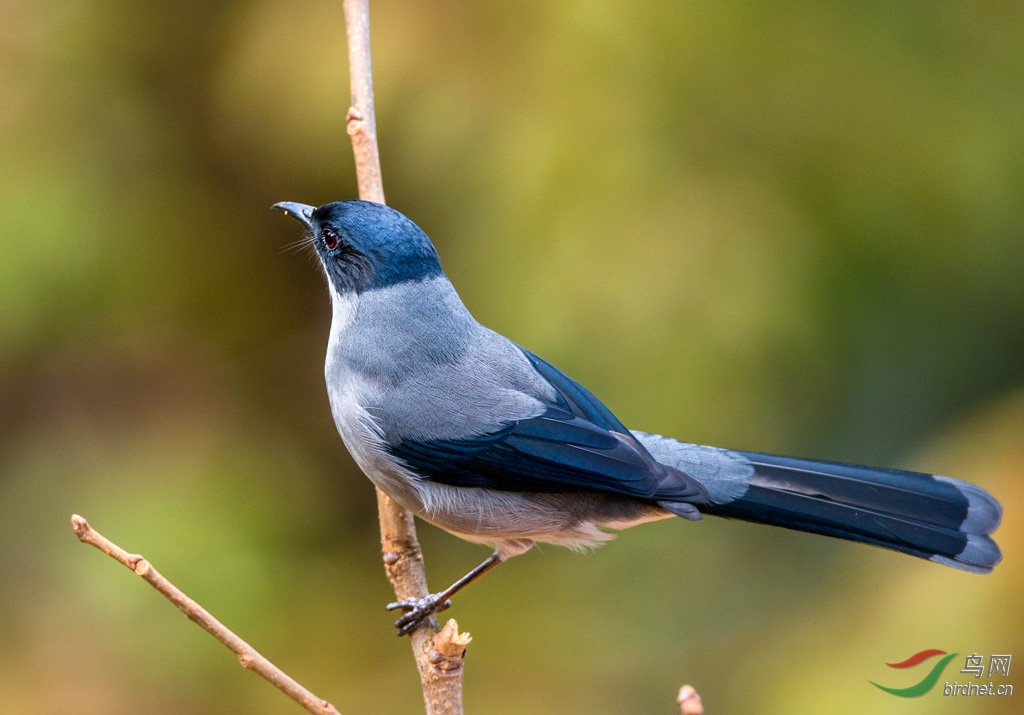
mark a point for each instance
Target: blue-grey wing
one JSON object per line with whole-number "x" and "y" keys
{"x": 576, "y": 444}
{"x": 572, "y": 396}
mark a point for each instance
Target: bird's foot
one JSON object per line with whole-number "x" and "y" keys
{"x": 417, "y": 610}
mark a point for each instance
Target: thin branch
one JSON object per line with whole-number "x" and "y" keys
{"x": 248, "y": 656}
{"x": 361, "y": 122}
{"x": 439, "y": 654}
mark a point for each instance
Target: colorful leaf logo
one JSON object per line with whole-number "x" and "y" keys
{"x": 928, "y": 681}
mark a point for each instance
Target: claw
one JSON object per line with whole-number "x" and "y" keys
{"x": 417, "y": 610}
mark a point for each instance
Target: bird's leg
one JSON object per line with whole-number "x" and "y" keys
{"x": 418, "y": 609}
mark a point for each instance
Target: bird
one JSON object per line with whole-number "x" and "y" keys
{"x": 482, "y": 438}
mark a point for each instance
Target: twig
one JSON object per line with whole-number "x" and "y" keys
{"x": 689, "y": 702}
{"x": 439, "y": 654}
{"x": 247, "y": 655}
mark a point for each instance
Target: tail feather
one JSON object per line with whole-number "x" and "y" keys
{"x": 936, "y": 518}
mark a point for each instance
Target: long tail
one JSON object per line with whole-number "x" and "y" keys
{"x": 936, "y": 518}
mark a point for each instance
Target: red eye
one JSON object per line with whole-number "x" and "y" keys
{"x": 330, "y": 238}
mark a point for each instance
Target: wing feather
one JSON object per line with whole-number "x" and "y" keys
{"x": 575, "y": 444}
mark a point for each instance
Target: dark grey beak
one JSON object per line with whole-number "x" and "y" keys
{"x": 300, "y": 212}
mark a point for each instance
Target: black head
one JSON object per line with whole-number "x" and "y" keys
{"x": 363, "y": 245}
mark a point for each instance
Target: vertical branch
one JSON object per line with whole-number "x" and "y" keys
{"x": 361, "y": 123}
{"x": 439, "y": 654}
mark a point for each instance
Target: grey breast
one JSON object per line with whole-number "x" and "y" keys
{"x": 436, "y": 372}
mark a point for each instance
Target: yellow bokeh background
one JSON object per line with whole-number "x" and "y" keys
{"x": 792, "y": 227}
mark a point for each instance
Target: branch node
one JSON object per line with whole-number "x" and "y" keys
{"x": 354, "y": 122}
{"x": 141, "y": 566}
{"x": 449, "y": 641}
{"x": 448, "y": 648}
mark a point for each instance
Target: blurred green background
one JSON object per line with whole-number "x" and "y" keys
{"x": 789, "y": 227}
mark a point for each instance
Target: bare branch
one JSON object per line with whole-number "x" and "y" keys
{"x": 439, "y": 655}
{"x": 247, "y": 655}
{"x": 361, "y": 123}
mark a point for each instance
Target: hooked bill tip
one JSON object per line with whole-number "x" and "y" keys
{"x": 300, "y": 212}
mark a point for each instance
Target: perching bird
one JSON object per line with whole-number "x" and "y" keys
{"x": 482, "y": 438}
